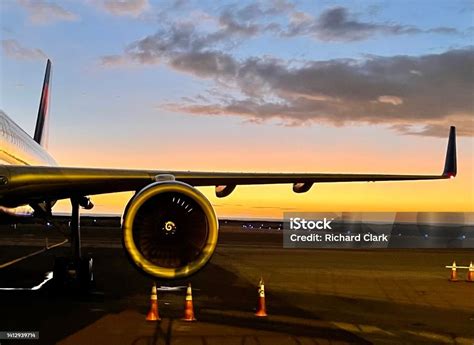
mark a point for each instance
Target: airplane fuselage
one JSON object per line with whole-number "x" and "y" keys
{"x": 18, "y": 148}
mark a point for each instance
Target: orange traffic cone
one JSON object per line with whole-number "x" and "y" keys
{"x": 454, "y": 273}
{"x": 188, "y": 306}
{"x": 153, "y": 314}
{"x": 261, "y": 309}
{"x": 470, "y": 273}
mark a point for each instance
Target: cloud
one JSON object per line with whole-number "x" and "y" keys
{"x": 206, "y": 64}
{"x": 340, "y": 92}
{"x": 443, "y": 30}
{"x": 45, "y": 12}
{"x": 131, "y": 8}
{"x": 394, "y": 100}
{"x": 231, "y": 26}
{"x": 179, "y": 39}
{"x": 113, "y": 60}
{"x": 257, "y": 11}
{"x": 433, "y": 90}
{"x": 438, "y": 128}
{"x": 200, "y": 30}
{"x": 15, "y": 50}
{"x": 235, "y": 24}
{"x": 337, "y": 24}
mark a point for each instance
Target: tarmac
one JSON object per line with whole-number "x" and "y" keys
{"x": 313, "y": 296}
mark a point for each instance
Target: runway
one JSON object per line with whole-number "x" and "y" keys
{"x": 313, "y": 296}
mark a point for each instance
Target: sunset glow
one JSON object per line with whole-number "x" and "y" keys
{"x": 266, "y": 87}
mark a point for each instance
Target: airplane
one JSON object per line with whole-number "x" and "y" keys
{"x": 169, "y": 227}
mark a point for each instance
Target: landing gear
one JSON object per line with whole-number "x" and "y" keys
{"x": 76, "y": 271}
{"x": 75, "y": 229}
{"x": 73, "y": 274}
{"x": 85, "y": 274}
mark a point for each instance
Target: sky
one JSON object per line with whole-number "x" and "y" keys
{"x": 279, "y": 86}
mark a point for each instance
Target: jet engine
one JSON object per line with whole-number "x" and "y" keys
{"x": 169, "y": 230}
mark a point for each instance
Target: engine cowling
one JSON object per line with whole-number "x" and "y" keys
{"x": 170, "y": 230}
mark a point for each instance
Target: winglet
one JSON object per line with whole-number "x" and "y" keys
{"x": 42, "y": 120}
{"x": 450, "y": 166}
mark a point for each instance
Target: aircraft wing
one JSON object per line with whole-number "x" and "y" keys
{"x": 30, "y": 184}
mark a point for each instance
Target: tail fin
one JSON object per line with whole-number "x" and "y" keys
{"x": 450, "y": 165}
{"x": 41, "y": 129}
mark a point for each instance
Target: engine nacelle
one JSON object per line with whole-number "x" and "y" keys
{"x": 169, "y": 230}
